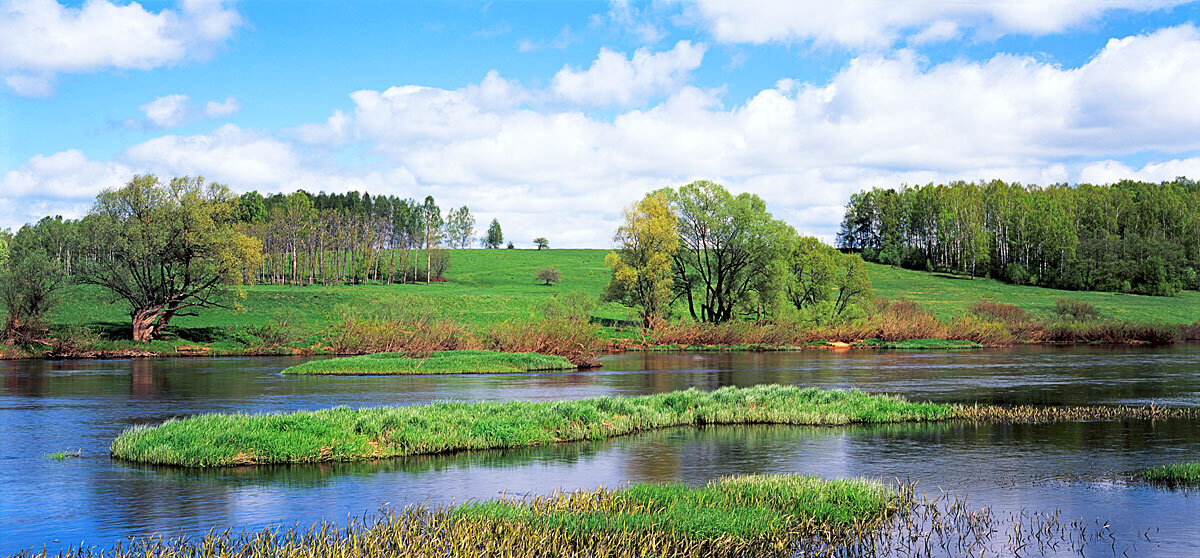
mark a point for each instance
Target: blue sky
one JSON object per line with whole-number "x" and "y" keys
{"x": 553, "y": 116}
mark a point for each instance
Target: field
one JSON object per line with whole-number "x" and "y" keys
{"x": 486, "y": 287}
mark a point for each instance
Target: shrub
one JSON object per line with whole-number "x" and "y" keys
{"x": 577, "y": 341}
{"x": 899, "y": 319}
{"x": 570, "y": 305}
{"x": 1074, "y": 309}
{"x": 549, "y": 275}
{"x": 1008, "y": 314}
{"x": 73, "y": 341}
{"x": 972, "y": 327}
{"x": 406, "y": 328}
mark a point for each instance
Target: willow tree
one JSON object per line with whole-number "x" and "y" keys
{"x": 169, "y": 249}
{"x": 641, "y": 266}
{"x": 729, "y": 248}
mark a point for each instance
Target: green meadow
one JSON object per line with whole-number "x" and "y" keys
{"x": 488, "y": 287}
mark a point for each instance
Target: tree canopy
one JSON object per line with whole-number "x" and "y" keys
{"x": 168, "y": 248}
{"x": 647, "y": 241}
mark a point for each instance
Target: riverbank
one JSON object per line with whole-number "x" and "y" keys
{"x": 345, "y": 434}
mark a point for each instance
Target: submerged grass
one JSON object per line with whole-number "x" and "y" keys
{"x": 345, "y": 434}
{"x": 749, "y": 516}
{"x": 1175, "y": 474}
{"x": 438, "y": 362}
{"x": 64, "y": 455}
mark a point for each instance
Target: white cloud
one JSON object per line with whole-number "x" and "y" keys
{"x": 168, "y": 110}
{"x": 615, "y": 79}
{"x": 545, "y": 168}
{"x": 40, "y": 39}
{"x": 637, "y": 21}
{"x": 213, "y": 109}
{"x": 879, "y": 23}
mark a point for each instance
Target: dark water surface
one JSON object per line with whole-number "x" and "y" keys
{"x": 51, "y": 406}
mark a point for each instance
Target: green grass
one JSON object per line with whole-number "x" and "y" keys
{"x": 439, "y": 362}
{"x": 64, "y": 455}
{"x": 1174, "y": 474}
{"x": 948, "y": 296}
{"x": 345, "y": 434}
{"x": 488, "y": 287}
{"x": 921, "y": 344}
{"x": 743, "y": 508}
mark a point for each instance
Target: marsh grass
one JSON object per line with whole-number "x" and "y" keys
{"x": 1175, "y": 474}
{"x": 437, "y": 362}
{"x": 750, "y": 516}
{"x": 921, "y": 344}
{"x": 66, "y": 454}
{"x": 345, "y": 434}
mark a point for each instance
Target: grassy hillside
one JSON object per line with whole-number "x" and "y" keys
{"x": 490, "y": 286}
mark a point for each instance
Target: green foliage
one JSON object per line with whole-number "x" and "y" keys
{"x": 495, "y": 237}
{"x": 1128, "y": 237}
{"x": 31, "y": 279}
{"x": 1075, "y": 310}
{"x": 438, "y": 362}
{"x": 728, "y": 247}
{"x": 574, "y": 306}
{"x": 542, "y": 243}
{"x": 642, "y": 277}
{"x": 549, "y": 275}
{"x": 64, "y": 455}
{"x": 344, "y": 434}
{"x": 168, "y": 248}
{"x": 460, "y": 228}
{"x": 1175, "y": 474}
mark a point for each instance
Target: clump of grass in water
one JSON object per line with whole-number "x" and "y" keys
{"x": 344, "y": 434}
{"x": 63, "y": 455}
{"x": 761, "y": 515}
{"x": 437, "y": 362}
{"x": 1175, "y": 474}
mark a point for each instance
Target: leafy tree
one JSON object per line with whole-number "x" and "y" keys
{"x": 495, "y": 237}
{"x": 812, "y": 271}
{"x": 549, "y": 275}
{"x": 853, "y": 284}
{"x": 642, "y": 277}
{"x": 460, "y": 227}
{"x": 251, "y": 208}
{"x": 431, "y": 219}
{"x": 168, "y": 249}
{"x": 30, "y": 280}
{"x": 510, "y": 245}
{"x": 542, "y": 243}
{"x": 727, "y": 245}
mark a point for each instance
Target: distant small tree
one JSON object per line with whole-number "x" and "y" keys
{"x": 494, "y": 237}
{"x": 431, "y": 217}
{"x": 542, "y": 243}
{"x": 460, "y": 227}
{"x": 550, "y": 275}
{"x": 510, "y": 245}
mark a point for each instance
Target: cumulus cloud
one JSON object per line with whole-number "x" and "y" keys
{"x": 214, "y": 109}
{"x": 879, "y": 23}
{"x": 615, "y": 79}
{"x": 40, "y": 39}
{"x": 167, "y": 111}
{"x": 545, "y": 167}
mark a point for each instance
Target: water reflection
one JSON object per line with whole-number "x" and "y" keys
{"x": 51, "y": 406}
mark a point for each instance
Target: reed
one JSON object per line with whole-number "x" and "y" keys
{"x": 437, "y": 362}
{"x": 750, "y": 516}
{"x": 345, "y": 434}
{"x": 1175, "y": 474}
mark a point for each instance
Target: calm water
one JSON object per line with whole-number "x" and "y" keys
{"x": 51, "y": 406}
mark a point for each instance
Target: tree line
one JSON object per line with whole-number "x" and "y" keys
{"x": 1132, "y": 237}
{"x": 721, "y": 257}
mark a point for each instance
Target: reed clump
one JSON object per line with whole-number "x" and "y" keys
{"x": 345, "y": 434}
{"x": 750, "y": 516}
{"x": 437, "y": 362}
{"x": 1175, "y": 474}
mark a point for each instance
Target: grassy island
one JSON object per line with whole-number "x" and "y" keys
{"x": 438, "y": 362}
{"x": 345, "y": 434}
{"x": 1176, "y": 474}
{"x": 758, "y": 515}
